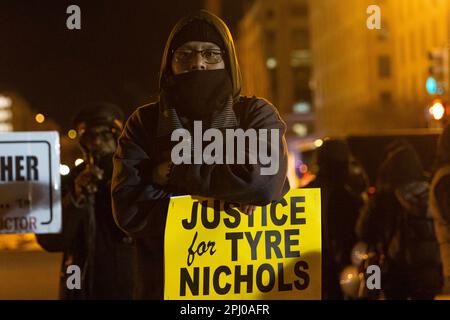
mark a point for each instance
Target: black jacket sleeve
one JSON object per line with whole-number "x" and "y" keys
{"x": 378, "y": 219}
{"x": 366, "y": 224}
{"x": 442, "y": 193}
{"x": 242, "y": 183}
{"x": 139, "y": 206}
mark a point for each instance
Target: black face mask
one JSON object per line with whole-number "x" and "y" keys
{"x": 198, "y": 94}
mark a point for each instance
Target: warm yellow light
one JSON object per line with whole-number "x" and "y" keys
{"x": 437, "y": 110}
{"x": 64, "y": 169}
{"x": 78, "y": 162}
{"x": 72, "y": 134}
{"x": 5, "y": 102}
{"x": 5, "y": 115}
{"x": 271, "y": 63}
{"x": 300, "y": 129}
{"x": 318, "y": 143}
{"x": 40, "y": 118}
{"x": 6, "y": 127}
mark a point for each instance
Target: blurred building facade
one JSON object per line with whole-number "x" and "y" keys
{"x": 365, "y": 79}
{"x": 275, "y": 58}
{"x": 422, "y": 26}
{"x": 346, "y": 54}
{"x": 17, "y": 115}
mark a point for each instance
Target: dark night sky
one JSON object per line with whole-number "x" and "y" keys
{"x": 114, "y": 57}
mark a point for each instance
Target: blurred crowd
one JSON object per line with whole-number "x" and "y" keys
{"x": 401, "y": 224}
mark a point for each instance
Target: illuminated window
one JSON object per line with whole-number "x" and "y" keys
{"x": 271, "y": 63}
{"x": 300, "y": 58}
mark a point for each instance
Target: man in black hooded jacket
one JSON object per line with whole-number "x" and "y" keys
{"x": 199, "y": 81}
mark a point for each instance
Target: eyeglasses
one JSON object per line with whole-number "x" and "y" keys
{"x": 210, "y": 56}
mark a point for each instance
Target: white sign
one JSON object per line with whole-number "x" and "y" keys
{"x": 30, "y": 187}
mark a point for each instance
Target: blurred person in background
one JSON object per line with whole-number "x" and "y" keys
{"x": 90, "y": 238}
{"x": 440, "y": 203}
{"x": 397, "y": 222}
{"x": 342, "y": 187}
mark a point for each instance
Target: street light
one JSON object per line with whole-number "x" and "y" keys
{"x": 64, "y": 169}
{"x": 271, "y": 63}
{"x": 72, "y": 134}
{"x": 431, "y": 85}
{"x": 78, "y": 162}
{"x": 437, "y": 110}
{"x": 318, "y": 143}
{"x": 438, "y": 64}
{"x": 40, "y": 118}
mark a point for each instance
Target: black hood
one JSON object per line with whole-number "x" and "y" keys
{"x": 231, "y": 61}
{"x": 401, "y": 165}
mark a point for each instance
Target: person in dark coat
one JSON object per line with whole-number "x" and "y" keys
{"x": 440, "y": 203}
{"x": 341, "y": 202}
{"x": 90, "y": 239}
{"x": 397, "y": 221}
{"x": 199, "y": 81}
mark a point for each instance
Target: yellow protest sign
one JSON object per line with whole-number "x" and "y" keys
{"x": 214, "y": 252}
